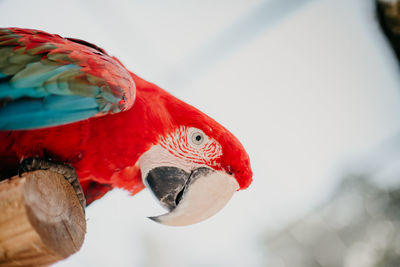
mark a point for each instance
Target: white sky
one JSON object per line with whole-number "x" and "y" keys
{"x": 307, "y": 97}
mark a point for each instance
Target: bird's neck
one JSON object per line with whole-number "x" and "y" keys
{"x": 139, "y": 127}
{"x": 149, "y": 115}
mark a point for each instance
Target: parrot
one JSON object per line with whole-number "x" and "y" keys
{"x": 68, "y": 106}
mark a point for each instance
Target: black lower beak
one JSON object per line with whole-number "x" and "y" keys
{"x": 168, "y": 184}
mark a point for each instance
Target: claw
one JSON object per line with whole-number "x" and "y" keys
{"x": 25, "y": 166}
{"x": 21, "y": 170}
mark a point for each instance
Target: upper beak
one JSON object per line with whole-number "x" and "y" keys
{"x": 190, "y": 197}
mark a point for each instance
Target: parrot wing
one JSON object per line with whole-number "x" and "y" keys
{"x": 47, "y": 80}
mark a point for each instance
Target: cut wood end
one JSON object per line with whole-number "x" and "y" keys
{"x": 43, "y": 220}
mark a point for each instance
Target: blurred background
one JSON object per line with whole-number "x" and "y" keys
{"x": 310, "y": 87}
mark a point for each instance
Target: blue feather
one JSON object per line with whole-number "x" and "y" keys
{"x": 44, "y": 109}
{"x": 7, "y": 91}
{"x": 72, "y": 102}
{"x": 31, "y": 114}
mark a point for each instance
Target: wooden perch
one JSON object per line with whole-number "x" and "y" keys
{"x": 41, "y": 220}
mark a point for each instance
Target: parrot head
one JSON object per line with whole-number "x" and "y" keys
{"x": 195, "y": 167}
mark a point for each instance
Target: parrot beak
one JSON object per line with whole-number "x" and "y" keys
{"x": 190, "y": 197}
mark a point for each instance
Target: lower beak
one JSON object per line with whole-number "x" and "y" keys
{"x": 190, "y": 197}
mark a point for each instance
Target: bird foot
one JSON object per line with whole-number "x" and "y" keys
{"x": 67, "y": 170}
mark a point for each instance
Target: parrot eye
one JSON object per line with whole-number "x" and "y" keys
{"x": 197, "y": 137}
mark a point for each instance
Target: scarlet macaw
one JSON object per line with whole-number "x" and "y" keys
{"x": 66, "y": 100}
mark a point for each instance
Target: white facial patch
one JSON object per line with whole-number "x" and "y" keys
{"x": 193, "y": 144}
